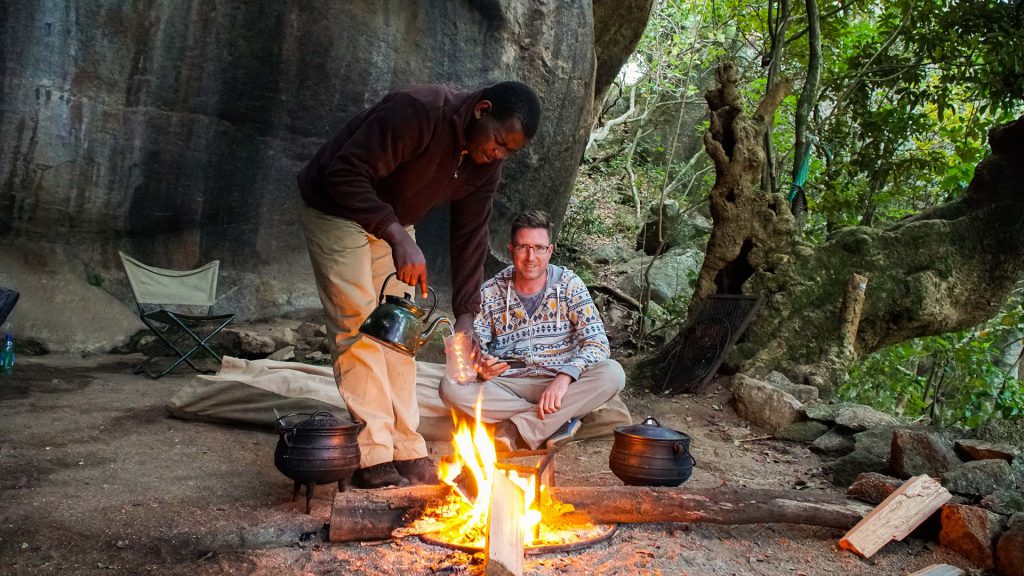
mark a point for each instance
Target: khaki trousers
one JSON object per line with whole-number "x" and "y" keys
{"x": 515, "y": 399}
{"x": 377, "y": 384}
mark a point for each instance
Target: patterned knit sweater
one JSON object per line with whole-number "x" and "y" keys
{"x": 565, "y": 333}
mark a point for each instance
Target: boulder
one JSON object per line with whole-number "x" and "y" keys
{"x": 807, "y": 431}
{"x": 764, "y": 405}
{"x": 852, "y": 416}
{"x": 982, "y": 450}
{"x": 979, "y": 478}
{"x": 283, "y": 336}
{"x": 309, "y": 330}
{"x": 248, "y": 343}
{"x": 802, "y": 392}
{"x": 916, "y": 452}
{"x": 671, "y": 275}
{"x": 971, "y": 532}
{"x": 1004, "y": 501}
{"x": 833, "y": 443}
{"x": 284, "y": 354}
{"x": 670, "y": 227}
{"x": 610, "y": 254}
{"x": 1010, "y": 549}
{"x": 870, "y": 454}
{"x": 175, "y": 134}
{"x": 872, "y": 487}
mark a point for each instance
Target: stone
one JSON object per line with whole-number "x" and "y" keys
{"x": 249, "y": 343}
{"x": 979, "y": 478}
{"x": 916, "y": 452}
{"x": 317, "y": 357}
{"x": 284, "y": 354}
{"x": 971, "y": 532}
{"x": 671, "y": 226}
{"x": 833, "y": 443}
{"x": 870, "y": 454}
{"x": 802, "y": 392}
{"x": 1004, "y": 501}
{"x": 857, "y": 417}
{"x": 764, "y": 405}
{"x": 1010, "y": 552}
{"x": 308, "y": 330}
{"x": 283, "y": 336}
{"x": 807, "y": 431}
{"x": 982, "y": 450}
{"x": 191, "y": 154}
{"x": 872, "y": 487}
{"x": 671, "y": 275}
{"x": 611, "y": 254}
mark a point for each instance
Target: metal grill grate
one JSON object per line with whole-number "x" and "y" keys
{"x": 721, "y": 320}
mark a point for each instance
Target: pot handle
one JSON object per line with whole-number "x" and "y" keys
{"x": 649, "y": 420}
{"x": 284, "y": 436}
{"x": 678, "y": 449}
{"x": 281, "y": 426}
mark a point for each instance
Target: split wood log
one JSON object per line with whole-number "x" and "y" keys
{"x": 373, "y": 515}
{"x": 939, "y": 570}
{"x": 505, "y": 542}
{"x": 898, "y": 515}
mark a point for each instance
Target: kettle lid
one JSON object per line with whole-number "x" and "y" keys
{"x": 405, "y": 302}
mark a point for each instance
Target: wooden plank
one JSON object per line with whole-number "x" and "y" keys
{"x": 905, "y": 509}
{"x": 939, "y": 570}
{"x": 505, "y": 542}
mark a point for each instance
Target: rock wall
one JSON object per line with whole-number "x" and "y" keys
{"x": 173, "y": 129}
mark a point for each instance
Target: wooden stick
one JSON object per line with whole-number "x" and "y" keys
{"x": 505, "y": 544}
{"x": 939, "y": 570}
{"x": 849, "y": 313}
{"x": 905, "y": 509}
{"x": 372, "y": 515}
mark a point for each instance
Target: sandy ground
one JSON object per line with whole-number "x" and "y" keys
{"x": 96, "y": 479}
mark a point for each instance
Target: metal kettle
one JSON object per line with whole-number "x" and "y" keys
{"x": 397, "y": 322}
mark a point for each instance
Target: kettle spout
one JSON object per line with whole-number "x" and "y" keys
{"x": 433, "y": 326}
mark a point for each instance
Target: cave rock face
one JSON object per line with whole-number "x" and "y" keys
{"x": 174, "y": 130}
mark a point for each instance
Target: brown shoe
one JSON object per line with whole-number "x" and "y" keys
{"x": 378, "y": 476}
{"x": 418, "y": 471}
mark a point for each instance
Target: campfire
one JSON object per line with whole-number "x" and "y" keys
{"x": 479, "y": 478}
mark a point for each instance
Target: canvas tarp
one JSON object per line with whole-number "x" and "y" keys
{"x": 249, "y": 391}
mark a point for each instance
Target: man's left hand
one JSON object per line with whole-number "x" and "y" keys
{"x": 551, "y": 398}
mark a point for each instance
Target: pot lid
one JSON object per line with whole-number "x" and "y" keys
{"x": 651, "y": 429}
{"x": 317, "y": 420}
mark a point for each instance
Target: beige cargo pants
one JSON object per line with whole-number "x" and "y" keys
{"x": 515, "y": 399}
{"x": 377, "y": 384}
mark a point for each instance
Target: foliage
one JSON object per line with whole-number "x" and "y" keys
{"x": 952, "y": 379}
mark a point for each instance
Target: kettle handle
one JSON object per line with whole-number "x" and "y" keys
{"x": 380, "y": 297}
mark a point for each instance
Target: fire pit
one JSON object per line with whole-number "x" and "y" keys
{"x": 465, "y": 520}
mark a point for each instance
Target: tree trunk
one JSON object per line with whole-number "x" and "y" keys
{"x": 947, "y": 268}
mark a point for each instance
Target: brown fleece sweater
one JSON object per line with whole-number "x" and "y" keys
{"x": 402, "y": 157}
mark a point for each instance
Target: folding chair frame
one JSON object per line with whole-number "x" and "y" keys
{"x": 179, "y": 325}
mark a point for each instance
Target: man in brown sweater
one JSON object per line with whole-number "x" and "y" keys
{"x": 363, "y": 192}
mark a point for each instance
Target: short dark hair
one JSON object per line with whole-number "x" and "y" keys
{"x": 531, "y": 219}
{"x": 516, "y": 99}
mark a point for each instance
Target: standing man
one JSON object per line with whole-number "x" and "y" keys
{"x": 363, "y": 192}
{"x": 545, "y": 361}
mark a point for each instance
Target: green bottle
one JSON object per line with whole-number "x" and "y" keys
{"x": 7, "y": 356}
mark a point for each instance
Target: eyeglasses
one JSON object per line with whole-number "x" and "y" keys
{"x": 523, "y": 248}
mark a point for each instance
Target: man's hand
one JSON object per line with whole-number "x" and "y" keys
{"x": 410, "y": 265}
{"x": 551, "y": 398}
{"x": 490, "y": 367}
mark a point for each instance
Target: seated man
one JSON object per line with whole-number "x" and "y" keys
{"x": 544, "y": 353}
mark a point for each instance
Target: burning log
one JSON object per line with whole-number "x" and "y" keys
{"x": 365, "y": 515}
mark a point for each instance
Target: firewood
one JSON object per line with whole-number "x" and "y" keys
{"x": 372, "y": 515}
{"x": 939, "y": 570}
{"x": 505, "y": 548}
{"x": 905, "y": 509}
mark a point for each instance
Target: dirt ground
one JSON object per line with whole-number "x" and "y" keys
{"x": 96, "y": 479}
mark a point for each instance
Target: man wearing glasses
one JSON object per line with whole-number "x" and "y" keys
{"x": 544, "y": 360}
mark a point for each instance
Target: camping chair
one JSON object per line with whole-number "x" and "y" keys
{"x": 159, "y": 287}
{"x": 8, "y": 298}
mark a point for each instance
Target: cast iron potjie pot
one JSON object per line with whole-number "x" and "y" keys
{"x": 318, "y": 449}
{"x": 648, "y": 454}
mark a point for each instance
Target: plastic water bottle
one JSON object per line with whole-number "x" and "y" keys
{"x": 7, "y": 356}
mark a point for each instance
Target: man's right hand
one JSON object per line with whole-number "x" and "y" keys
{"x": 490, "y": 367}
{"x": 410, "y": 265}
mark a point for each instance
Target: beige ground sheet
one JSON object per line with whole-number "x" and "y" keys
{"x": 248, "y": 392}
